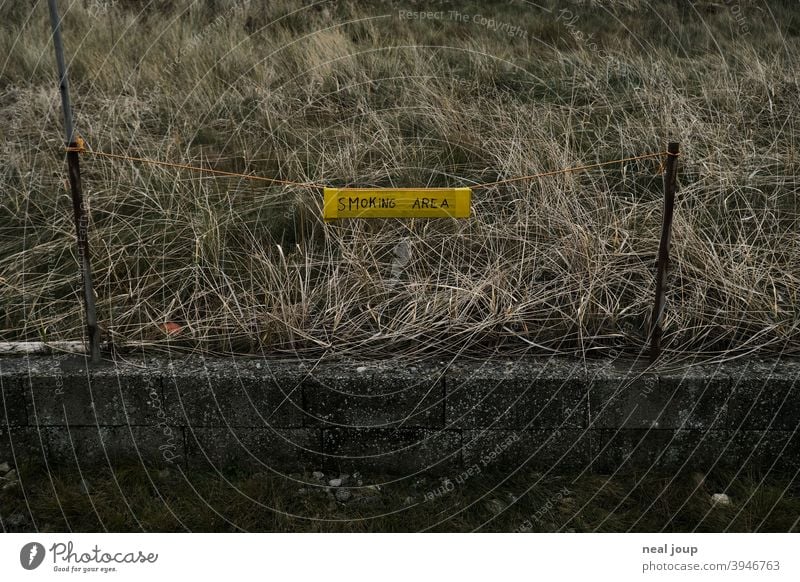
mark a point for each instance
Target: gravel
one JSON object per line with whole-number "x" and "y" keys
{"x": 720, "y": 499}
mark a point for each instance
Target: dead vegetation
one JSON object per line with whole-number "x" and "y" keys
{"x": 350, "y": 93}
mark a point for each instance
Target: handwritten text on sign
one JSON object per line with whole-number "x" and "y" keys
{"x": 396, "y": 203}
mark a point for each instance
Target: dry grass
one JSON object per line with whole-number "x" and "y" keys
{"x": 349, "y": 93}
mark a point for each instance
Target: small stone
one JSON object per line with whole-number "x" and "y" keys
{"x": 5, "y": 468}
{"x": 359, "y": 482}
{"x": 318, "y": 475}
{"x": 356, "y": 475}
{"x": 335, "y": 482}
{"x": 258, "y": 365}
{"x": 343, "y": 495}
{"x": 361, "y": 369}
{"x": 164, "y": 474}
{"x": 720, "y": 499}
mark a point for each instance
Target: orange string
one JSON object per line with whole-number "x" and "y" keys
{"x": 565, "y": 170}
{"x": 80, "y": 147}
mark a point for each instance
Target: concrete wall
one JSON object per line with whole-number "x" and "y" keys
{"x": 401, "y": 417}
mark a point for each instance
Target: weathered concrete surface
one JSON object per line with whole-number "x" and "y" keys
{"x": 109, "y": 444}
{"x": 405, "y": 450}
{"x": 401, "y": 416}
{"x": 517, "y": 395}
{"x": 260, "y": 448}
{"x": 23, "y": 444}
{"x": 66, "y": 396}
{"x": 544, "y": 450}
{"x": 218, "y": 393}
{"x": 764, "y": 396}
{"x": 13, "y": 411}
{"x": 375, "y": 395}
{"x": 693, "y": 399}
{"x": 696, "y": 450}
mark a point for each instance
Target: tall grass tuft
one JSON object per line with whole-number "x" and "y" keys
{"x": 351, "y": 93}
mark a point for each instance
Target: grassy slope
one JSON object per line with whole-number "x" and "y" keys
{"x": 134, "y": 499}
{"x": 350, "y": 93}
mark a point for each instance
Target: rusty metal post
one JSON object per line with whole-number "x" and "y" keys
{"x": 670, "y": 185}
{"x": 74, "y": 170}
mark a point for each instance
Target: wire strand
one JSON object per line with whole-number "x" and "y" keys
{"x": 204, "y": 170}
{"x": 566, "y": 170}
{"x": 80, "y": 147}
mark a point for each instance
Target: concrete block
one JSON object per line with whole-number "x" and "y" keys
{"x": 526, "y": 395}
{"x": 544, "y": 450}
{"x": 659, "y": 450}
{"x": 764, "y": 451}
{"x": 393, "y": 450}
{"x": 235, "y": 393}
{"x": 375, "y": 395}
{"x": 631, "y": 399}
{"x": 86, "y": 445}
{"x": 13, "y": 411}
{"x": 257, "y": 448}
{"x": 765, "y": 395}
{"x": 22, "y": 446}
{"x": 69, "y": 393}
{"x": 386, "y": 416}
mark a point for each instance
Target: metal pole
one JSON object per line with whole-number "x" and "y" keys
{"x": 670, "y": 184}
{"x": 74, "y": 169}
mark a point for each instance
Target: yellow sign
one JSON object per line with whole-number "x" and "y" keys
{"x": 396, "y": 203}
